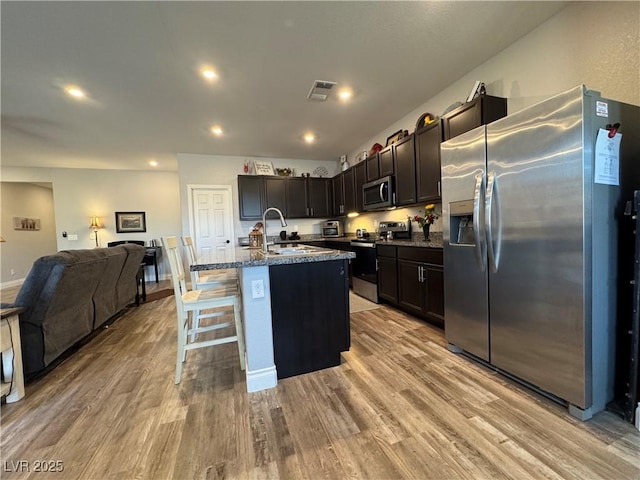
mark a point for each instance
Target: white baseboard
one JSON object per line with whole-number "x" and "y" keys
{"x": 12, "y": 283}
{"x": 261, "y": 379}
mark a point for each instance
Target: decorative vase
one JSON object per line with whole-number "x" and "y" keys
{"x": 425, "y": 230}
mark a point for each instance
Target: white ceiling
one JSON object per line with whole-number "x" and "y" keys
{"x": 139, "y": 63}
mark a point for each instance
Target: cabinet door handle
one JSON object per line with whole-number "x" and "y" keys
{"x": 377, "y": 265}
{"x": 439, "y": 190}
{"x": 420, "y": 274}
{"x": 312, "y": 212}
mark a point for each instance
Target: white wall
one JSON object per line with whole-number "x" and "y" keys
{"x": 79, "y": 194}
{"x": 22, "y": 247}
{"x": 196, "y": 169}
{"x": 590, "y": 43}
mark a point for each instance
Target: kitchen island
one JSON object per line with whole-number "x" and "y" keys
{"x": 295, "y": 308}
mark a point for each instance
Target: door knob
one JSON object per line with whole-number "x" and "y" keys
{"x": 228, "y": 241}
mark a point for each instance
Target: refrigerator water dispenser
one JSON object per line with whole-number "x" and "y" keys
{"x": 461, "y": 223}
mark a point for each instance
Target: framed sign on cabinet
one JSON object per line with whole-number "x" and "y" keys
{"x": 263, "y": 168}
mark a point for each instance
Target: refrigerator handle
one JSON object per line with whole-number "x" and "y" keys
{"x": 493, "y": 245}
{"x": 481, "y": 246}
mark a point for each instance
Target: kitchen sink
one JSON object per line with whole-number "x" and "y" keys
{"x": 296, "y": 251}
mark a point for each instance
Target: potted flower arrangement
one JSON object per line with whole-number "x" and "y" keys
{"x": 430, "y": 216}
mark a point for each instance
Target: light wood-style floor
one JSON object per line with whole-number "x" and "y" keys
{"x": 399, "y": 406}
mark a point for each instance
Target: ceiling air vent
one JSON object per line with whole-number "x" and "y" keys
{"x": 320, "y": 90}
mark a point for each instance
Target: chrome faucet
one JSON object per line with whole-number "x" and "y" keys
{"x": 265, "y": 248}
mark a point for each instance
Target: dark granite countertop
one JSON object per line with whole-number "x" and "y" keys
{"x": 417, "y": 240}
{"x": 254, "y": 257}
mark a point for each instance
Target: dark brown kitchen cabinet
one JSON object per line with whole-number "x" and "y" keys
{"x": 360, "y": 170}
{"x": 311, "y": 324}
{"x": 386, "y": 164}
{"x": 405, "y": 159}
{"x": 296, "y": 198}
{"x": 251, "y": 196}
{"x": 338, "y": 194}
{"x": 373, "y": 168}
{"x": 427, "y": 148}
{"x": 276, "y": 195}
{"x": 421, "y": 283}
{"x": 387, "y": 273}
{"x": 319, "y": 197}
{"x": 479, "y": 111}
{"x": 349, "y": 190}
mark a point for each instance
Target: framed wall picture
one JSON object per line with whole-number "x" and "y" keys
{"x": 25, "y": 223}
{"x": 131, "y": 222}
{"x": 263, "y": 168}
{"x": 395, "y": 137}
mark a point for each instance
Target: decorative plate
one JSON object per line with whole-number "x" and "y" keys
{"x": 321, "y": 172}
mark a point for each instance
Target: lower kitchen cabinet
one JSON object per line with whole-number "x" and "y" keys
{"x": 418, "y": 284}
{"x": 310, "y": 311}
{"x": 387, "y": 273}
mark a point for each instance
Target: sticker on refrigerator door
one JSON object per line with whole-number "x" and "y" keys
{"x": 607, "y": 161}
{"x": 602, "y": 109}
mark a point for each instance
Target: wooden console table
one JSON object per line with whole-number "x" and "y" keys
{"x": 13, "y": 377}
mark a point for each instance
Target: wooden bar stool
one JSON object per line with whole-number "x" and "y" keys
{"x": 196, "y": 300}
{"x": 209, "y": 278}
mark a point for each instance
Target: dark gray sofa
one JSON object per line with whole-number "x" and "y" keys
{"x": 70, "y": 294}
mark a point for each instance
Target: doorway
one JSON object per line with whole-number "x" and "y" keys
{"x": 211, "y": 221}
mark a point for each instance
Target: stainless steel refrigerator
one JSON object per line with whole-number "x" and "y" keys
{"x": 530, "y": 245}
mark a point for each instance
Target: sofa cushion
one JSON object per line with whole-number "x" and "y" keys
{"x": 127, "y": 287}
{"x": 105, "y": 298}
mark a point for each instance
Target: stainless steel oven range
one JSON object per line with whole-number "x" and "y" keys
{"x": 364, "y": 272}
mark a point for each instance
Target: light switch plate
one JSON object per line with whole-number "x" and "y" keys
{"x": 73, "y": 236}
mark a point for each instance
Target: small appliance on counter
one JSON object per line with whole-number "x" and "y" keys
{"x": 395, "y": 230}
{"x": 332, "y": 229}
{"x": 362, "y": 233}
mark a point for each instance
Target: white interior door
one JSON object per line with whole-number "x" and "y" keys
{"x": 212, "y": 222}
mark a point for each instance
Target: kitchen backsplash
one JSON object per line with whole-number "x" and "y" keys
{"x": 370, "y": 221}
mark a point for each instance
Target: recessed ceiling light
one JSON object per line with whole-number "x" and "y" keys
{"x": 216, "y": 130}
{"x": 209, "y": 73}
{"x": 153, "y": 163}
{"x": 75, "y": 92}
{"x": 309, "y": 137}
{"x": 345, "y": 94}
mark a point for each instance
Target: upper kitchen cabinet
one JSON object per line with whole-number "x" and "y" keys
{"x": 427, "y": 148}
{"x": 296, "y": 198}
{"x": 349, "y": 190}
{"x": 276, "y": 195}
{"x": 405, "y": 160}
{"x": 251, "y": 196}
{"x": 360, "y": 170}
{"x": 479, "y": 111}
{"x": 373, "y": 168}
{"x": 308, "y": 197}
{"x": 337, "y": 184}
{"x": 319, "y": 197}
{"x": 386, "y": 162}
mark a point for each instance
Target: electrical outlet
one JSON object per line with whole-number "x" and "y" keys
{"x": 257, "y": 288}
{"x": 13, "y": 272}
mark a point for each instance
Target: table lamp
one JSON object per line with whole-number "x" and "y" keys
{"x": 95, "y": 226}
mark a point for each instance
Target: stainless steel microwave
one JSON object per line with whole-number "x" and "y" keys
{"x": 379, "y": 194}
